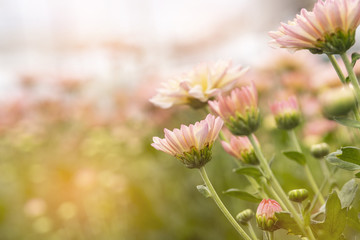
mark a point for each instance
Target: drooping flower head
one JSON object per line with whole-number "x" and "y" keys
{"x": 198, "y": 86}
{"x": 265, "y": 214}
{"x": 238, "y": 110}
{"x": 241, "y": 148}
{"x": 191, "y": 144}
{"x": 329, "y": 28}
{"x": 286, "y": 113}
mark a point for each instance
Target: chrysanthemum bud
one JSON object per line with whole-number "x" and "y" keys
{"x": 265, "y": 215}
{"x": 245, "y": 216}
{"x": 337, "y": 102}
{"x": 239, "y": 110}
{"x": 191, "y": 144}
{"x": 286, "y": 113}
{"x": 298, "y": 195}
{"x": 320, "y": 150}
{"x": 241, "y": 148}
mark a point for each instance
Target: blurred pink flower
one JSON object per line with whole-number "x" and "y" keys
{"x": 191, "y": 144}
{"x": 239, "y": 110}
{"x": 319, "y": 127}
{"x": 329, "y": 28}
{"x": 286, "y": 106}
{"x": 198, "y": 86}
{"x": 241, "y": 148}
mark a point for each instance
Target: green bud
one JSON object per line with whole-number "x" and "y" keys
{"x": 245, "y": 216}
{"x": 320, "y": 150}
{"x": 298, "y": 195}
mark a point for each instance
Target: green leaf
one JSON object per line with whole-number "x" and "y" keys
{"x": 296, "y": 156}
{"x": 348, "y": 193}
{"x": 204, "y": 190}
{"x": 335, "y": 219}
{"x": 242, "y": 195}
{"x": 348, "y": 122}
{"x": 249, "y": 171}
{"x": 347, "y": 158}
{"x": 354, "y": 57}
{"x": 353, "y": 218}
{"x": 357, "y": 175}
{"x": 287, "y": 222}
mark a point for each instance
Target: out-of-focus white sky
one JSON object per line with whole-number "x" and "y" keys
{"x": 125, "y": 41}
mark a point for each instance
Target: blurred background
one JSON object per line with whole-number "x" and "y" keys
{"x": 76, "y": 124}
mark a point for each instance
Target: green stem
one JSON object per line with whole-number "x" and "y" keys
{"x": 352, "y": 76}
{"x": 254, "y": 184}
{"x": 271, "y": 236}
{"x": 221, "y": 206}
{"x": 276, "y": 196}
{"x": 251, "y": 230}
{"x": 277, "y": 187}
{"x": 337, "y": 68}
{"x": 308, "y": 173}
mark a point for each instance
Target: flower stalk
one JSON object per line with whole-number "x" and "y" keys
{"x": 221, "y": 205}
{"x": 352, "y": 76}
{"x": 308, "y": 173}
{"x": 282, "y": 197}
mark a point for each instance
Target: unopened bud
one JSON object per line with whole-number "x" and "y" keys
{"x": 286, "y": 113}
{"x": 298, "y": 195}
{"x": 265, "y": 215}
{"x": 337, "y": 102}
{"x": 245, "y": 216}
{"x": 320, "y": 150}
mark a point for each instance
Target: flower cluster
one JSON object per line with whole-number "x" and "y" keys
{"x": 198, "y": 86}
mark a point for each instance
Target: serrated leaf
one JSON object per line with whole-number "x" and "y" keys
{"x": 347, "y": 158}
{"x": 204, "y": 190}
{"x": 249, "y": 171}
{"x": 242, "y": 195}
{"x": 348, "y": 122}
{"x": 296, "y": 156}
{"x": 335, "y": 219}
{"x": 354, "y": 57}
{"x": 287, "y": 222}
{"x": 348, "y": 193}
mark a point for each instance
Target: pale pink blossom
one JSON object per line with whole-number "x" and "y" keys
{"x": 321, "y": 30}
{"x": 198, "y": 86}
{"x": 239, "y": 101}
{"x": 239, "y": 110}
{"x": 198, "y": 136}
{"x": 241, "y": 148}
{"x": 286, "y": 106}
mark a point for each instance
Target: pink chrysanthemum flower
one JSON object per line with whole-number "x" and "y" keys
{"x": 329, "y": 28}
{"x": 197, "y": 87}
{"x": 239, "y": 110}
{"x": 241, "y": 148}
{"x": 286, "y": 113}
{"x": 191, "y": 144}
{"x": 265, "y": 214}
